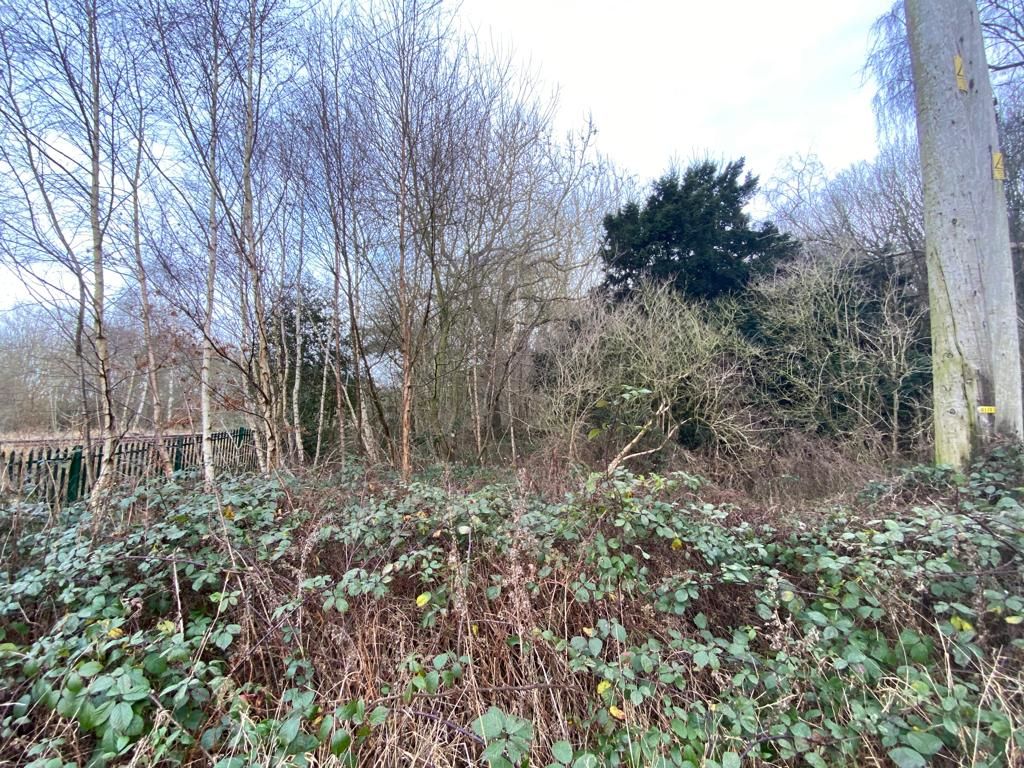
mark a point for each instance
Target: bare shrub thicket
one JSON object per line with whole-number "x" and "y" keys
{"x": 633, "y": 377}
{"x": 835, "y": 347}
{"x": 845, "y": 353}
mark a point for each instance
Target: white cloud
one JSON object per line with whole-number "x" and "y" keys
{"x": 679, "y": 79}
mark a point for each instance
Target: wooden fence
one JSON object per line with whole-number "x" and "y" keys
{"x": 63, "y": 473}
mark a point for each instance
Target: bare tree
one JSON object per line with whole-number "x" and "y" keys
{"x": 61, "y": 80}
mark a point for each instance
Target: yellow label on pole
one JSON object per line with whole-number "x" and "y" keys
{"x": 961, "y": 78}
{"x": 986, "y": 409}
{"x": 998, "y": 168}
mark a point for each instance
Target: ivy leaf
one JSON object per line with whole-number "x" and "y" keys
{"x": 423, "y": 599}
{"x": 730, "y": 760}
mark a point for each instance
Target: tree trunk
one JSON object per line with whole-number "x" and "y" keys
{"x": 323, "y": 407}
{"x": 297, "y": 385}
{"x": 106, "y": 413}
{"x": 975, "y": 350}
{"x": 205, "y": 383}
{"x": 147, "y": 308}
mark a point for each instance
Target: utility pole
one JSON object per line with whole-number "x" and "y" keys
{"x": 975, "y": 348}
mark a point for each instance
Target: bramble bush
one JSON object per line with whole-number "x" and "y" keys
{"x": 631, "y": 623}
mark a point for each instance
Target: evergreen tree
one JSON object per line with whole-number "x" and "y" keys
{"x": 693, "y": 234}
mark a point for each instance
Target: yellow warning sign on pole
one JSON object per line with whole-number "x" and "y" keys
{"x": 986, "y": 409}
{"x": 961, "y": 78}
{"x": 998, "y": 167}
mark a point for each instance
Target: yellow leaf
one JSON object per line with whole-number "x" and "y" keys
{"x": 617, "y": 713}
{"x": 1014, "y": 619}
{"x": 229, "y": 512}
{"x": 961, "y": 625}
{"x": 423, "y": 599}
{"x": 115, "y": 632}
{"x": 677, "y": 544}
{"x": 474, "y": 629}
{"x": 588, "y": 631}
{"x": 787, "y": 595}
{"x": 166, "y": 627}
{"x": 603, "y": 686}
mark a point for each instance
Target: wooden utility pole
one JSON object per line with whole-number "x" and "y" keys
{"x": 975, "y": 349}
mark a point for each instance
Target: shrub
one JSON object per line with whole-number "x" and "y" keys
{"x": 630, "y": 623}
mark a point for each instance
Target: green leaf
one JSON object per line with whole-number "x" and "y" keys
{"x": 289, "y": 730}
{"x": 490, "y": 724}
{"x": 223, "y": 640}
{"x": 121, "y": 717}
{"x": 730, "y": 760}
{"x": 494, "y": 752}
{"x": 924, "y": 742}
{"x": 905, "y": 757}
{"x": 90, "y": 668}
{"x": 340, "y": 742}
{"x": 379, "y": 715}
{"x": 562, "y": 750}
{"x": 585, "y": 760}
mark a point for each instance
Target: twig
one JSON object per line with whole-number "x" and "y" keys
{"x": 177, "y": 594}
{"x": 448, "y": 723}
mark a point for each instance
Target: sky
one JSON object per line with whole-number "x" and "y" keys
{"x": 674, "y": 80}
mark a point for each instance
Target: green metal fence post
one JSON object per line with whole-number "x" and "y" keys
{"x": 75, "y": 475}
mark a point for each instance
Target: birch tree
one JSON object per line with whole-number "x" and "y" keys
{"x": 60, "y": 82}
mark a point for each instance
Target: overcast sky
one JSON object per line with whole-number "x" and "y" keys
{"x": 675, "y": 79}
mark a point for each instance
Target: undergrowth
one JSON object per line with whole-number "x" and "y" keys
{"x": 348, "y": 622}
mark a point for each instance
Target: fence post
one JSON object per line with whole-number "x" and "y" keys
{"x": 178, "y": 458}
{"x": 75, "y": 474}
